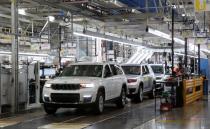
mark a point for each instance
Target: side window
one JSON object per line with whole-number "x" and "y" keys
{"x": 114, "y": 70}
{"x": 118, "y": 70}
{"x": 107, "y": 72}
{"x": 147, "y": 69}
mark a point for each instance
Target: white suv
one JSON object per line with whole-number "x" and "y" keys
{"x": 86, "y": 84}
{"x": 158, "y": 73}
{"x": 140, "y": 81}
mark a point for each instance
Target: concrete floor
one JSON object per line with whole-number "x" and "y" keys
{"x": 134, "y": 116}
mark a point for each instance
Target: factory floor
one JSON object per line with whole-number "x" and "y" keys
{"x": 133, "y": 116}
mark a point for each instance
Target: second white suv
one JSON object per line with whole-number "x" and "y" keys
{"x": 140, "y": 81}
{"x": 158, "y": 73}
{"x": 86, "y": 84}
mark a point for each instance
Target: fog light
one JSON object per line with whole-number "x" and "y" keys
{"x": 87, "y": 98}
{"x": 45, "y": 95}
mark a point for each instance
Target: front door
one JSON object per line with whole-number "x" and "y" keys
{"x": 108, "y": 82}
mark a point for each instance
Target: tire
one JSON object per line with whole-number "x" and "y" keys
{"x": 122, "y": 99}
{"x": 99, "y": 104}
{"x": 139, "y": 96}
{"x": 49, "y": 109}
{"x": 152, "y": 92}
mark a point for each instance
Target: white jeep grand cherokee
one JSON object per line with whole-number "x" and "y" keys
{"x": 86, "y": 84}
{"x": 140, "y": 81}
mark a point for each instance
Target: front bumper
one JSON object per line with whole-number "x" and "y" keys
{"x": 69, "y": 105}
{"x": 69, "y": 97}
{"x": 132, "y": 90}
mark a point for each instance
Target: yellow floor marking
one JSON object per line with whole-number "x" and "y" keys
{"x": 64, "y": 126}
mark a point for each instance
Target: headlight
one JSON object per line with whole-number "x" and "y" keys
{"x": 87, "y": 85}
{"x": 47, "y": 85}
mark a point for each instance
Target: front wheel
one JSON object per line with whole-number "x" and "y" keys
{"x": 99, "y": 104}
{"x": 122, "y": 99}
{"x": 139, "y": 95}
{"x": 49, "y": 109}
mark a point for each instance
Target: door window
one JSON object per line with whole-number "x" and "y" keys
{"x": 116, "y": 70}
{"x": 145, "y": 70}
{"x": 107, "y": 72}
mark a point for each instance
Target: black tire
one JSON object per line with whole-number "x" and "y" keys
{"x": 139, "y": 96}
{"x": 152, "y": 92}
{"x": 49, "y": 109}
{"x": 99, "y": 104}
{"x": 122, "y": 99}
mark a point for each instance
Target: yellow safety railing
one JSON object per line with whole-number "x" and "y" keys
{"x": 192, "y": 90}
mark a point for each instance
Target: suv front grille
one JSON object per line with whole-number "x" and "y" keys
{"x": 158, "y": 78}
{"x": 65, "y": 98}
{"x": 65, "y": 86}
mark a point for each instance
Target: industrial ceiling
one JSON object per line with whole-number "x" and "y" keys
{"x": 128, "y": 18}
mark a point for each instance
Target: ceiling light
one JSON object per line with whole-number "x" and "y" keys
{"x": 22, "y": 11}
{"x": 159, "y": 33}
{"x": 167, "y": 36}
{"x": 183, "y": 15}
{"x": 105, "y": 37}
{"x": 51, "y": 18}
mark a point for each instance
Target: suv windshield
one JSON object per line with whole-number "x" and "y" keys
{"x": 134, "y": 70}
{"x": 157, "y": 69}
{"x": 83, "y": 70}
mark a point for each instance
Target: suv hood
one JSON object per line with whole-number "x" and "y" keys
{"x": 73, "y": 80}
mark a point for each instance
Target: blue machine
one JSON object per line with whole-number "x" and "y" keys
{"x": 141, "y": 4}
{"x": 204, "y": 67}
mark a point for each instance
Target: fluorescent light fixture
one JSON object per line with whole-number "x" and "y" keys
{"x": 164, "y": 35}
{"x": 51, "y": 18}
{"x": 167, "y": 36}
{"x": 22, "y": 11}
{"x": 159, "y": 33}
{"x": 106, "y": 37}
{"x": 24, "y": 54}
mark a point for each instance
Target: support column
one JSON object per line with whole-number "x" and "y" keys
{"x": 185, "y": 53}
{"x": 15, "y": 47}
{"x": 172, "y": 43}
{"x": 59, "y": 49}
{"x": 199, "y": 59}
{"x": 99, "y": 50}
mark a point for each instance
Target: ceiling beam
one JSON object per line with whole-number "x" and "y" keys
{"x": 132, "y": 16}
